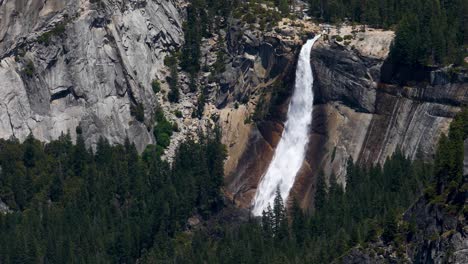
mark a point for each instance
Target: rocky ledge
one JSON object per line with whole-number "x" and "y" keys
{"x": 72, "y": 63}
{"x": 358, "y": 115}
{"x": 355, "y": 114}
{"x": 431, "y": 231}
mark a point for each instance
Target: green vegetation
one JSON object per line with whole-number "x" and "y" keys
{"x": 370, "y": 209}
{"x": 220, "y": 65}
{"x": 450, "y": 155}
{"x": 156, "y": 86}
{"x": 429, "y": 32}
{"x": 174, "y": 93}
{"x": 204, "y": 17}
{"x": 178, "y": 114}
{"x": 71, "y": 205}
{"x": 29, "y": 68}
{"x": 283, "y": 6}
{"x": 58, "y": 30}
{"x": 198, "y": 25}
{"x": 162, "y": 131}
{"x": 261, "y": 109}
{"x": 194, "y": 29}
{"x": 255, "y": 12}
{"x": 201, "y": 103}
{"x": 341, "y": 220}
{"x": 138, "y": 111}
{"x": 338, "y": 38}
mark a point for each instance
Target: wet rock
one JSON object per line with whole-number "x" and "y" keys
{"x": 355, "y": 114}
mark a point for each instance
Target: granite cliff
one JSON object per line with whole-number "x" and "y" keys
{"x": 86, "y": 63}
{"x": 357, "y": 114}
{"x": 433, "y": 230}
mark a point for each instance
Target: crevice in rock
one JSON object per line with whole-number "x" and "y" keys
{"x": 60, "y": 95}
{"x": 64, "y": 93}
{"x": 420, "y": 96}
{"x": 125, "y": 71}
{"x": 99, "y": 22}
{"x": 11, "y": 123}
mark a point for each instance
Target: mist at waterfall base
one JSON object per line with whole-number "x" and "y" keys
{"x": 290, "y": 152}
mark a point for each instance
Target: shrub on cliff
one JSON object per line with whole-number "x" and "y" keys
{"x": 156, "y": 86}
{"x": 138, "y": 111}
{"x": 163, "y": 129}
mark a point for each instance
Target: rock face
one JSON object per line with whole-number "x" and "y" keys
{"x": 90, "y": 63}
{"x": 435, "y": 228}
{"x": 258, "y": 62}
{"x": 443, "y": 235}
{"x": 358, "y": 116}
{"x": 438, "y": 235}
{"x": 65, "y": 63}
{"x": 355, "y": 115}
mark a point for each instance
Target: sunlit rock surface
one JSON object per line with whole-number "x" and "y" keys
{"x": 69, "y": 63}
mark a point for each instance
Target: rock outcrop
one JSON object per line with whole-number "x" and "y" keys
{"x": 90, "y": 63}
{"x": 358, "y": 116}
{"x": 433, "y": 230}
{"x": 259, "y": 61}
{"x": 355, "y": 114}
{"x": 67, "y": 63}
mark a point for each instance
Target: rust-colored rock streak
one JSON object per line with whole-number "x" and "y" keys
{"x": 289, "y": 154}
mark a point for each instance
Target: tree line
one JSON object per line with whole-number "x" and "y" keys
{"x": 428, "y": 32}
{"x": 70, "y": 204}
{"x": 341, "y": 220}
{"x": 368, "y": 211}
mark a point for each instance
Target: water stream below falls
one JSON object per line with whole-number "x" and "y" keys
{"x": 291, "y": 149}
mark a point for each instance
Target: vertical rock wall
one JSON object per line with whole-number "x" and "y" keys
{"x": 355, "y": 115}
{"x": 360, "y": 117}
{"x": 65, "y": 63}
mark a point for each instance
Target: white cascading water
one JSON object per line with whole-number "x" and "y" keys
{"x": 290, "y": 152}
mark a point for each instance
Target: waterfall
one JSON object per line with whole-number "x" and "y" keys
{"x": 290, "y": 152}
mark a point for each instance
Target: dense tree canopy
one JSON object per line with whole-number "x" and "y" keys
{"x": 70, "y": 205}
{"x": 369, "y": 210}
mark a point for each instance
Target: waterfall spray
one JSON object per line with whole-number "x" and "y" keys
{"x": 290, "y": 152}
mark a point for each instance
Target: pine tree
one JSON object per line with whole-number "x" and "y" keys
{"x": 174, "y": 93}
{"x": 298, "y": 225}
{"x": 390, "y": 228}
{"x": 320, "y": 192}
{"x": 280, "y": 226}
{"x": 268, "y": 222}
{"x": 80, "y": 155}
{"x": 351, "y": 175}
{"x": 32, "y": 151}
